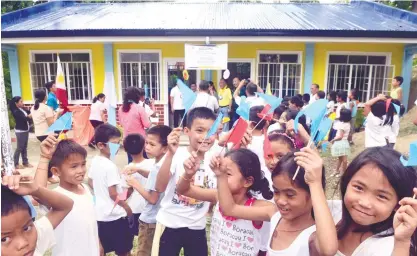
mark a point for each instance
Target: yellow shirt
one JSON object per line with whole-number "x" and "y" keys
{"x": 394, "y": 93}
{"x": 225, "y": 97}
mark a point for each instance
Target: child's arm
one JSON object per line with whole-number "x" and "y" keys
{"x": 129, "y": 170}
{"x": 150, "y": 196}
{"x": 61, "y": 205}
{"x": 340, "y": 137}
{"x": 47, "y": 149}
{"x": 229, "y": 206}
{"x": 325, "y": 239}
{"x": 185, "y": 188}
{"x": 400, "y": 94}
{"x": 405, "y": 224}
{"x": 113, "y": 195}
{"x": 164, "y": 173}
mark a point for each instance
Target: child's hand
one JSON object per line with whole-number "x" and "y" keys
{"x": 191, "y": 165}
{"x": 21, "y": 185}
{"x": 310, "y": 160}
{"x": 132, "y": 181}
{"x": 129, "y": 170}
{"x": 48, "y": 146}
{"x": 128, "y": 210}
{"x": 405, "y": 219}
{"x": 247, "y": 138}
{"x": 215, "y": 165}
{"x": 174, "y": 139}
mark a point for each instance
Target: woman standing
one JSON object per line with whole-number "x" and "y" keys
{"x": 43, "y": 117}
{"x": 212, "y": 90}
{"x": 132, "y": 116}
{"x": 21, "y": 117}
{"x": 97, "y": 114}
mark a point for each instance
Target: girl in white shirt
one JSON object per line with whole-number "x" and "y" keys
{"x": 379, "y": 215}
{"x": 331, "y": 97}
{"x": 300, "y": 206}
{"x": 239, "y": 171}
{"x": 97, "y": 113}
{"x": 395, "y": 126}
{"x": 341, "y": 146}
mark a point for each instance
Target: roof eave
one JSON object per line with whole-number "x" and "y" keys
{"x": 207, "y": 32}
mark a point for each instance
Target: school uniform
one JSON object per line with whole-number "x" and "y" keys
{"x": 46, "y": 236}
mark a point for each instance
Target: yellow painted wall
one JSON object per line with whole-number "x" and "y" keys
{"x": 321, "y": 49}
{"x": 97, "y": 58}
{"x": 176, "y": 50}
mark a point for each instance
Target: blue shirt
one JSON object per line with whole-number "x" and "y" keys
{"x": 148, "y": 214}
{"x": 52, "y": 101}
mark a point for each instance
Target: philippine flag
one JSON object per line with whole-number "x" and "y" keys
{"x": 61, "y": 90}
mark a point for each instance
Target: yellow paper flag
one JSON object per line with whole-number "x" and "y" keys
{"x": 268, "y": 89}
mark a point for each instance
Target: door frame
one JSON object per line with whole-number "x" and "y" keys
{"x": 165, "y": 84}
{"x": 237, "y": 60}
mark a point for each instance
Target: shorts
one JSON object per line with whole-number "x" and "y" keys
{"x": 135, "y": 228}
{"x": 115, "y": 236}
{"x": 145, "y": 238}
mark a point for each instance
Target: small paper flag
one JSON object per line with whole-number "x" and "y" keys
{"x": 264, "y": 114}
{"x": 188, "y": 96}
{"x": 315, "y": 112}
{"x": 243, "y": 109}
{"x": 120, "y": 197}
{"x": 397, "y": 108}
{"x": 273, "y": 101}
{"x": 412, "y": 158}
{"x": 215, "y": 126}
{"x": 62, "y": 123}
{"x": 268, "y": 89}
{"x": 238, "y": 133}
{"x": 323, "y": 129}
{"x": 114, "y": 147}
{"x": 267, "y": 146}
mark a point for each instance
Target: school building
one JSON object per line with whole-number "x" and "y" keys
{"x": 359, "y": 45}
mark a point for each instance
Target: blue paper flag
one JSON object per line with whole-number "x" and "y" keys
{"x": 412, "y": 158}
{"x": 188, "y": 96}
{"x": 315, "y": 111}
{"x": 33, "y": 212}
{"x": 323, "y": 129}
{"x": 114, "y": 147}
{"x": 215, "y": 126}
{"x": 273, "y": 101}
{"x": 397, "y": 108}
{"x": 243, "y": 109}
{"x": 62, "y": 123}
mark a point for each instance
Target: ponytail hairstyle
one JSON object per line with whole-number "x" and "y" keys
{"x": 249, "y": 166}
{"x": 131, "y": 96}
{"x": 402, "y": 179}
{"x": 49, "y": 85}
{"x": 288, "y": 166}
{"x": 99, "y": 96}
{"x": 40, "y": 96}
{"x": 12, "y": 103}
{"x": 378, "y": 109}
{"x": 389, "y": 117}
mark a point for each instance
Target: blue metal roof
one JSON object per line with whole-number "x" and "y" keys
{"x": 358, "y": 19}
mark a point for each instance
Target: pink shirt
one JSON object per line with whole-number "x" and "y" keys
{"x": 134, "y": 121}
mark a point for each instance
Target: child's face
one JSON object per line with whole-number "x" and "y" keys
{"x": 72, "y": 170}
{"x": 18, "y": 234}
{"x": 292, "y": 201}
{"x": 338, "y": 99}
{"x": 369, "y": 197}
{"x": 197, "y": 134}
{"x": 292, "y": 106}
{"x": 279, "y": 149}
{"x": 237, "y": 182}
{"x": 153, "y": 146}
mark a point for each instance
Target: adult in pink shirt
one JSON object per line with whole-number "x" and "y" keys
{"x": 132, "y": 116}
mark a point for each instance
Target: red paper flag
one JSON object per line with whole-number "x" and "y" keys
{"x": 266, "y": 109}
{"x": 264, "y": 113}
{"x": 238, "y": 132}
{"x": 61, "y": 90}
{"x": 267, "y": 146}
{"x": 122, "y": 196}
{"x": 387, "y": 103}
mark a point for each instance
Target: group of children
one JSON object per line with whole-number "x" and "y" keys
{"x": 263, "y": 205}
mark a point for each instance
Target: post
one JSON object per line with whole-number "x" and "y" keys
{"x": 308, "y": 67}
{"x": 409, "y": 50}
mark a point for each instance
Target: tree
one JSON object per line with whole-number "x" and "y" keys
{"x": 405, "y": 5}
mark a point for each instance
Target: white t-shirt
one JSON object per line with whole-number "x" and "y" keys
{"x": 312, "y": 98}
{"x": 70, "y": 241}
{"x": 395, "y": 129}
{"x": 96, "y": 109}
{"x": 136, "y": 201}
{"x": 176, "y": 94}
{"x": 251, "y": 100}
{"x": 105, "y": 174}
{"x": 39, "y": 117}
{"x": 338, "y": 109}
{"x": 46, "y": 236}
{"x": 206, "y": 100}
{"x": 178, "y": 211}
{"x": 330, "y": 107}
{"x": 299, "y": 247}
{"x": 375, "y": 132}
{"x": 342, "y": 126}
{"x": 257, "y": 146}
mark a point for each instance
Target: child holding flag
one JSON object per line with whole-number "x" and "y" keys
{"x": 182, "y": 220}
{"x": 104, "y": 178}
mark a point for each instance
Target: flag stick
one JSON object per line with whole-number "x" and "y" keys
{"x": 182, "y": 120}
{"x": 414, "y": 197}
{"x": 259, "y": 122}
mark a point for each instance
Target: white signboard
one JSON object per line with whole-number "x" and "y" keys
{"x": 212, "y": 57}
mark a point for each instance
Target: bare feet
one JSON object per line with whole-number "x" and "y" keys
{"x": 28, "y": 166}
{"x": 19, "y": 166}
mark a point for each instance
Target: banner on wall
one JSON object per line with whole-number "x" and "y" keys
{"x": 210, "y": 57}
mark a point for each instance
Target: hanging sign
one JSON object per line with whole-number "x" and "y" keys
{"x": 211, "y": 57}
